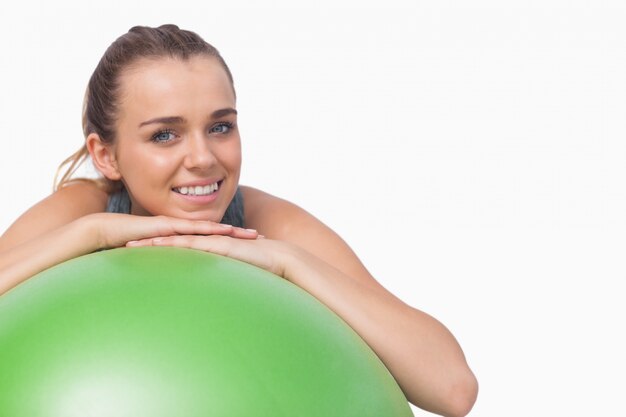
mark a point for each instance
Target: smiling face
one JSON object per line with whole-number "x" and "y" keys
{"x": 177, "y": 148}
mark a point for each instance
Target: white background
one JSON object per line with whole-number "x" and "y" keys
{"x": 472, "y": 153}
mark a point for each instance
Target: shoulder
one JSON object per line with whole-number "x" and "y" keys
{"x": 75, "y": 200}
{"x": 78, "y": 198}
{"x": 280, "y": 219}
{"x": 271, "y": 215}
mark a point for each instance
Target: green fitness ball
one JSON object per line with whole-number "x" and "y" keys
{"x": 162, "y": 332}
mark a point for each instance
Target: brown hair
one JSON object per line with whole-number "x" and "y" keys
{"x": 101, "y": 96}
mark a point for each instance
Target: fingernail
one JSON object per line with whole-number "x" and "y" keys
{"x": 226, "y": 226}
{"x": 251, "y": 230}
{"x": 131, "y": 243}
{"x": 260, "y": 237}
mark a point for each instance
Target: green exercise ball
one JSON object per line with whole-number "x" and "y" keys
{"x": 162, "y": 332}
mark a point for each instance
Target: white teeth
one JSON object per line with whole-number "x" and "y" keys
{"x": 197, "y": 190}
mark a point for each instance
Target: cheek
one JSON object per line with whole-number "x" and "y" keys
{"x": 228, "y": 155}
{"x": 138, "y": 166}
{"x": 232, "y": 156}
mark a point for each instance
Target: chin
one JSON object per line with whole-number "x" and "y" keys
{"x": 199, "y": 215}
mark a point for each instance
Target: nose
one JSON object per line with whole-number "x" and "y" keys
{"x": 198, "y": 153}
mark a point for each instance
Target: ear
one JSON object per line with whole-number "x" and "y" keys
{"x": 103, "y": 156}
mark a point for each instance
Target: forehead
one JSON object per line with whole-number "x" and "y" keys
{"x": 168, "y": 86}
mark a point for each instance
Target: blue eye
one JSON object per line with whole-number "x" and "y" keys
{"x": 163, "y": 136}
{"x": 223, "y": 127}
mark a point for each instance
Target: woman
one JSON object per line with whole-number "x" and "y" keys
{"x": 160, "y": 123}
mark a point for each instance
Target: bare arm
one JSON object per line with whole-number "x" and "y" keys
{"x": 49, "y": 233}
{"x": 34, "y": 255}
{"x": 419, "y": 351}
{"x": 422, "y": 355}
{"x": 62, "y": 207}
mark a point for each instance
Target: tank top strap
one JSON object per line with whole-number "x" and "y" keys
{"x": 234, "y": 212}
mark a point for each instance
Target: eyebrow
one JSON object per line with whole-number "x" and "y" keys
{"x": 179, "y": 120}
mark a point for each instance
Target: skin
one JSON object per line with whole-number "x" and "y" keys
{"x": 420, "y": 352}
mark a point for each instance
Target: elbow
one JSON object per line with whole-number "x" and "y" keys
{"x": 462, "y": 396}
{"x": 454, "y": 397}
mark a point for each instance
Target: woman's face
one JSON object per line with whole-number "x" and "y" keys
{"x": 178, "y": 149}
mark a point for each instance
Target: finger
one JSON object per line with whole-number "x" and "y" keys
{"x": 206, "y": 227}
{"x": 200, "y": 227}
{"x": 215, "y": 244}
{"x": 140, "y": 242}
{"x": 242, "y": 233}
{"x": 187, "y": 241}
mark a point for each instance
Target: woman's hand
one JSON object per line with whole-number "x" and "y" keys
{"x": 267, "y": 254}
{"x": 114, "y": 230}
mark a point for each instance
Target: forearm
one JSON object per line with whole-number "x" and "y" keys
{"x": 21, "y": 262}
{"x": 420, "y": 352}
{"x": 96, "y": 231}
